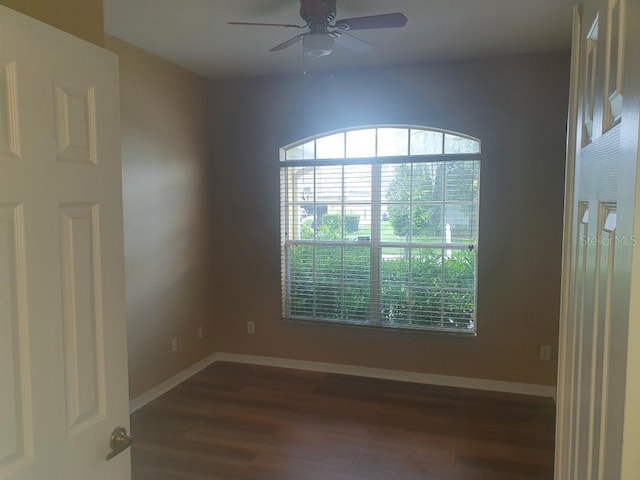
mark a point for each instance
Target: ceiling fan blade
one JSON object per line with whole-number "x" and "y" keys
{"x": 388, "y": 20}
{"x": 252, "y": 24}
{"x": 353, "y": 43}
{"x": 288, "y": 43}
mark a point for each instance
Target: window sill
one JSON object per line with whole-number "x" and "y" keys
{"x": 386, "y": 328}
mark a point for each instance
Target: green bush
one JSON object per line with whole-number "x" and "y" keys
{"x": 439, "y": 292}
{"x": 333, "y": 223}
{"x": 352, "y": 223}
{"x": 334, "y": 297}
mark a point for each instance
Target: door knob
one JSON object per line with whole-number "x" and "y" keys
{"x": 120, "y": 440}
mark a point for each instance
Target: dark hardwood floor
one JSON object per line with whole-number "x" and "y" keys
{"x": 239, "y": 422}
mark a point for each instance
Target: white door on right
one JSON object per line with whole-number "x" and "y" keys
{"x": 599, "y": 373}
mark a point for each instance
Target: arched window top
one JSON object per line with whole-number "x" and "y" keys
{"x": 380, "y": 142}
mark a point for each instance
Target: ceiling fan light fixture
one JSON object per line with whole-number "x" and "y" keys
{"x": 318, "y": 45}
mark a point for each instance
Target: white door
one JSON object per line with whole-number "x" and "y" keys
{"x": 598, "y": 433}
{"x": 63, "y": 366}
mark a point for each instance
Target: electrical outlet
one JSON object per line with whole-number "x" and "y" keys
{"x": 251, "y": 327}
{"x": 545, "y": 352}
{"x": 174, "y": 344}
{"x": 199, "y": 333}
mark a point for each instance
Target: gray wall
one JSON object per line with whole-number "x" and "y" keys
{"x": 517, "y": 105}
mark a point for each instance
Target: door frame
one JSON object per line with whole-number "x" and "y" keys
{"x": 565, "y": 357}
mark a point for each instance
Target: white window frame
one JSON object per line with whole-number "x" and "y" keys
{"x": 375, "y": 243}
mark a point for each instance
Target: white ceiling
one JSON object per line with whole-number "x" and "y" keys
{"x": 194, "y": 33}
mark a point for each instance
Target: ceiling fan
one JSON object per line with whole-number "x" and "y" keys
{"x": 324, "y": 30}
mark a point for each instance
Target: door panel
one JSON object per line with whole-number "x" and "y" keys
{"x": 16, "y": 439}
{"x": 9, "y": 144}
{"x": 83, "y": 316}
{"x": 61, "y": 256}
{"x": 615, "y": 63}
{"x": 75, "y": 119}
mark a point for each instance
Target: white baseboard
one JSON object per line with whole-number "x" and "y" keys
{"x": 139, "y": 402}
{"x": 398, "y": 375}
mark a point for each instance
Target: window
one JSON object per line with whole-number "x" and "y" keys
{"x": 380, "y": 228}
